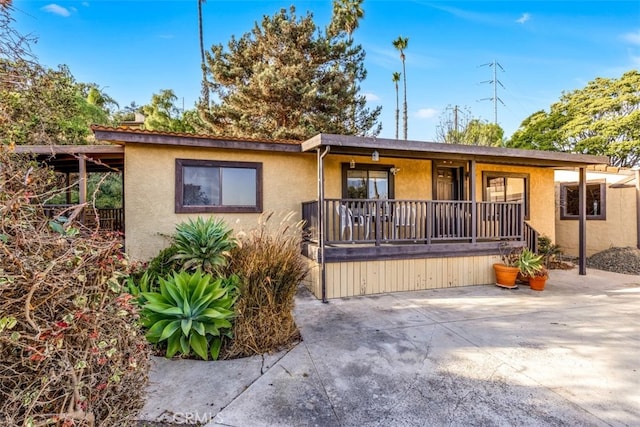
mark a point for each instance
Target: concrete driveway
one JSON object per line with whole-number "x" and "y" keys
{"x": 478, "y": 356}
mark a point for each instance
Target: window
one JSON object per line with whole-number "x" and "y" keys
{"x": 367, "y": 182}
{"x": 596, "y": 201}
{"x": 204, "y": 186}
{"x": 507, "y": 187}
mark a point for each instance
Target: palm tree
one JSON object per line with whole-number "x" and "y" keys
{"x": 401, "y": 44}
{"x": 346, "y": 16}
{"x": 395, "y": 79}
{"x": 205, "y": 89}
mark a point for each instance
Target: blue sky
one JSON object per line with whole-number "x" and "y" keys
{"x": 136, "y": 48}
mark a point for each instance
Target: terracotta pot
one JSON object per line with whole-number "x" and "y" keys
{"x": 522, "y": 278}
{"x": 505, "y": 276}
{"x": 537, "y": 283}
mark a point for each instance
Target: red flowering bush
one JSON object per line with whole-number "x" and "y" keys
{"x": 71, "y": 351}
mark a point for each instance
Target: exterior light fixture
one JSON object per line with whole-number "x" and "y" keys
{"x": 375, "y": 156}
{"x": 352, "y": 164}
{"x": 394, "y": 170}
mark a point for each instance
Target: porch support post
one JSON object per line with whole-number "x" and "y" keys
{"x": 67, "y": 184}
{"x": 582, "y": 221}
{"x": 472, "y": 197}
{"x": 82, "y": 179}
{"x": 321, "y": 222}
{"x": 638, "y": 207}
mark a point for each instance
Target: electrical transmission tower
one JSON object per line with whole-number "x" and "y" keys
{"x": 495, "y": 83}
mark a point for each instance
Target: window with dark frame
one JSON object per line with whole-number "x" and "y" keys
{"x": 595, "y": 197}
{"x": 507, "y": 187}
{"x": 364, "y": 181}
{"x": 209, "y": 186}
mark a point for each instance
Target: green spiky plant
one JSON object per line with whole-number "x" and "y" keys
{"x": 203, "y": 244}
{"x": 191, "y": 312}
{"x": 529, "y": 263}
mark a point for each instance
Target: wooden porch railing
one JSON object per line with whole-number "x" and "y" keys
{"x": 111, "y": 219}
{"x": 420, "y": 221}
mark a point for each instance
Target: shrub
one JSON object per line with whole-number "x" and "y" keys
{"x": 163, "y": 264}
{"x": 191, "y": 312}
{"x": 203, "y": 244}
{"x": 71, "y": 350}
{"x": 270, "y": 267}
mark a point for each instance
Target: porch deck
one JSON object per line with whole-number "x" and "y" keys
{"x": 109, "y": 219}
{"x": 361, "y": 229}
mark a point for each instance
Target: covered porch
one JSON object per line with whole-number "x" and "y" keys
{"x": 75, "y": 163}
{"x": 423, "y": 207}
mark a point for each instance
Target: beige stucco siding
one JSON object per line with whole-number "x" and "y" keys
{"x": 541, "y": 192}
{"x": 288, "y": 180}
{"x": 413, "y": 181}
{"x": 620, "y": 229}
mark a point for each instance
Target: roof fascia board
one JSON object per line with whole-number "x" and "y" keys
{"x": 191, "y": 141}
{"x": 69, "y": 149}
{"x": 418, "y": 149}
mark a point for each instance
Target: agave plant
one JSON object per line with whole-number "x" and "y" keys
{"x": 203, "y": 244}
{"x": 529, "y": 263}
{"x": 190, "y": 312}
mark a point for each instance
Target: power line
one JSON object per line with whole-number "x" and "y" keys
{"x": 495, "y": 83}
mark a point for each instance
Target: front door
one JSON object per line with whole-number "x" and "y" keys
{"x": 448, "y": 183}
{"x": 449, "y": 219}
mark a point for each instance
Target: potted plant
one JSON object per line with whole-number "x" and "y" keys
{"x": 529, "y": 263}
{"x": 538, "y": 279}
{"x": 507, "y": 270}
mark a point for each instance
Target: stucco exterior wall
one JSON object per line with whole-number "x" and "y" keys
{"x": 288, "y": 180}
{"x": 620, "y": 229}
{"x": 413, "y": 181}
{"x": 541, "y": 191}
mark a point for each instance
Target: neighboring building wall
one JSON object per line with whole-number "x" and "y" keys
{"x": 346, "y": 279}
{"x": 288, "y": 180}
{"x": 541, "y": 193}
{"x": 618, "y": 230}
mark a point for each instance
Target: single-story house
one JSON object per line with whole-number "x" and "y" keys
{"x": 613, "y": 208}
{"x": 381, "y": 215}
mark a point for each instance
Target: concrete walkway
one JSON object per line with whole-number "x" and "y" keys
{"x": 471, "y": 356}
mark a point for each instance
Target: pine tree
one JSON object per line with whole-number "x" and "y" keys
{"x": 287, "y": 80}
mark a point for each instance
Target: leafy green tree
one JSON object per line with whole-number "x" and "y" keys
{"x": 285, "y": 79}
{"x": 128, "y": 113}
{"x": 39, "y": 105}
{"x": 465, "y": 130}
{"x": 479, "y": 132}
{"x": 162, "y": 114}
{"x": 45, "y": 106}
{"x": 541, "y": 131}
{"x": 401, "y": 44}
{"x": 603, "y": 118}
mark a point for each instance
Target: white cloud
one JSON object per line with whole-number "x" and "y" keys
{"x": 633, "y": 38}
{"x": 85, "y": 3}
{"x": 371, "y": 97}
{"x": 56, "y": 10}
{"x": 524, "y": 18}
{"x": 426, "y": 113}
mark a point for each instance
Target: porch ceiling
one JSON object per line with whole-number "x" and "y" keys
{"x": 64, "y": 158}
{"x": 392, "y": 148}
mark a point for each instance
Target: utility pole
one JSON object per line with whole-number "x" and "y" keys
{"x": 495, "y": 83}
